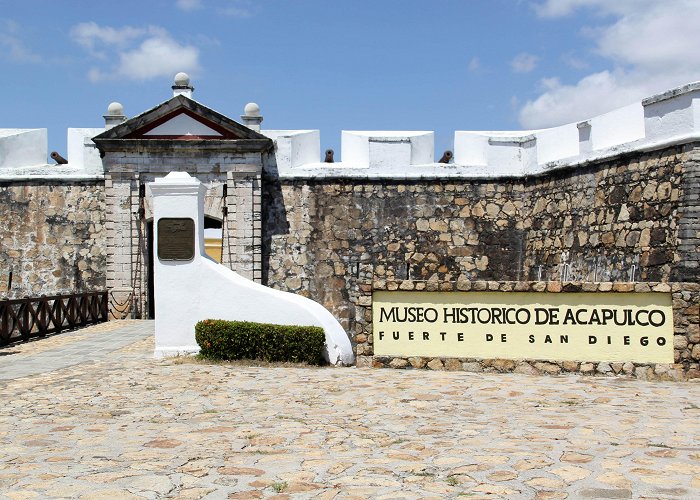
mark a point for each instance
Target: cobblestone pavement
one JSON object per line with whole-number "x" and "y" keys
{"x": 70, "y": 348}
{"x": 124, "y": 425}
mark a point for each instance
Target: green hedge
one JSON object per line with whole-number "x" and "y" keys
{"x": 219, "y": 339}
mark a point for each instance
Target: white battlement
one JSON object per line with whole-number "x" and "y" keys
{"x": 23, "y": 147}
{"x": 294, "y": 148}
{"x": 24, "y": 155}
{"x": 674, "y": 112}
{"x": 82, "y": 152}
{"x": 666, "y": 119}
{"x": 386, "y": 149}
{"x": 672, "y": 117}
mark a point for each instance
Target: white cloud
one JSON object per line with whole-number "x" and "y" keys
{"x": 158, "y": 56}
{"x": 94, "y": 38}
{"x": 237, "y": 8}
{"x": 142, "y": 53}
{"x": 514, "y": 102}
{"x": 474, "y": 64}
{"x": 562, "y": 8}
{"x": 188, "y": 5}
{"x": 595, "y": 94}
{"x": 12, "y": 47}
{"x": 651, "y": 46}
{"x": 573, "y": 61}
{"x": 524, "y": 62}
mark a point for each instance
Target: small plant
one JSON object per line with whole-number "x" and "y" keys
{"x": 279, "y": 487}
{"x": 452, "y": 481}
{"x": 227, "y": 340}
{"x": 293, "y": 419}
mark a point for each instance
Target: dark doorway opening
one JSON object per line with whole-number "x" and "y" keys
{"x": 211, "y": 223}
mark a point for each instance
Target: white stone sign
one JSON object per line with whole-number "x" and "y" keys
{"x": 191, "y": 290}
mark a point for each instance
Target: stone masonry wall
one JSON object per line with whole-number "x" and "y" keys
{"x": 52, "y": 238}
{"x": 630, "y": 219}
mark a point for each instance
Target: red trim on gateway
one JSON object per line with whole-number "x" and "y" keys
{"x": 181, "y": 137}
{"x": 140, "y": 133}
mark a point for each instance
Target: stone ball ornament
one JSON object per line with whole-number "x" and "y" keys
{"x": 182, "y": 79}
{"x": 251, "y": 109}
{"x": 115, "y": 109}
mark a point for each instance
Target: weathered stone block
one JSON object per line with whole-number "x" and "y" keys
{"x": 436, "y": 364}
{"x": 570, "y": 366}
{"x": 472, "y": 366}
{"x": 453, "y": 364}
{"x": 398, "y": 363}
{"x": 502, "y": 365}
{"x": 548, "y": 368}
{"x": 526, "y": 369}
{"x": 604, "y": 368}
{"x": 418, "y": 362}
{"x": 363, "y": 361}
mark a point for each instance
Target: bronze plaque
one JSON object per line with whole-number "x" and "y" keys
{"x": 175, "y": 239}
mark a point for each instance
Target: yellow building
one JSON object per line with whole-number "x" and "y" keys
{"x": 212, "y": 243}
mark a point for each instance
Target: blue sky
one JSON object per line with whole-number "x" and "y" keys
{"x": 441, "y": 65}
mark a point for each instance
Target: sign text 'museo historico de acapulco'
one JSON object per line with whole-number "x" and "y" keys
{"x": 513, "y": 325}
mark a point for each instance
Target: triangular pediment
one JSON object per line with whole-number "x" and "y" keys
{"x": 181, "y": 118}
{"x": 181, "y": 125}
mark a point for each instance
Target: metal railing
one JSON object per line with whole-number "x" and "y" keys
{"x": 22, "y": 319}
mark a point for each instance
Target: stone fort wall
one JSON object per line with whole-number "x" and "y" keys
{"x": 630, "y": 219}
{"x": 53, "y": 239}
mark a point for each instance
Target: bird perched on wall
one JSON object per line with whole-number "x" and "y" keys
{"x": 60, "y": 160}
{"x": 329, "y": 156}
{"x": 446, "y": 157}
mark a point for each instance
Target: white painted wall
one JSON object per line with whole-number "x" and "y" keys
{"x": 669, "y": 118}
{"x": 617, "y": 127}
{"x": 294, "y": 148}
{"x": 23, "y": 147}
{"x": 387, "y": 149}
{"x": 82, "y": 152}
{"x": 507, "y": 155}
{"x": 471, "y": 148}
{"x": 557, "y": 143}
{"x": 672, "y": 113}
{"x": 188, "y": 292}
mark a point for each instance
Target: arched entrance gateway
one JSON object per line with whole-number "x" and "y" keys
{"x": 178, "y": 135}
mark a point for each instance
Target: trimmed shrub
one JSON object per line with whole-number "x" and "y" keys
{"x": 220, "y": 339}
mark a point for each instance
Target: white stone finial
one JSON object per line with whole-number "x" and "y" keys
{"x": 182, "y": 85}
{"x": 252, "y": 117}
{"x": 182, "y": 79}
{"x": 115, "y": 109}
{"x": 115, "y": 115}
{"x": 251, "y": 109}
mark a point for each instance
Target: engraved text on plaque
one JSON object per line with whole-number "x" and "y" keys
{"x": 175, "y": 239}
